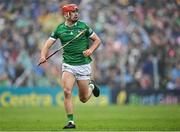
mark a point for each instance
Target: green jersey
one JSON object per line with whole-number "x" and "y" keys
{"x": 73, "y": 52}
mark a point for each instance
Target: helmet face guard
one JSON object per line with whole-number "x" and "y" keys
{"x": 69, "y": 8}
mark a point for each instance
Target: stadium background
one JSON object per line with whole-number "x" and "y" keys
{"x": 137, "y": 66}
{"x": 137, "y": 63}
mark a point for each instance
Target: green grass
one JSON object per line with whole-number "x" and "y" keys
{"x": 89, "y": 118}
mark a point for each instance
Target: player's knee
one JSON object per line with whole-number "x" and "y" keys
{"x": 67, "y": 92}
{"x": 83, "y": 99}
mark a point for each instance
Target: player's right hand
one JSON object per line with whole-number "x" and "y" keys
{"x": 42, "y": 60}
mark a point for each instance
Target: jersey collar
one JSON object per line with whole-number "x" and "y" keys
{"x": 71, "y": 25}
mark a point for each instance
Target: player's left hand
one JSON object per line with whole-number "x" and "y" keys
{"x": 87, "y": 52}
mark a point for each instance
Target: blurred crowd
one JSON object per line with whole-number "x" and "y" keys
{"x": 140, "y": 42}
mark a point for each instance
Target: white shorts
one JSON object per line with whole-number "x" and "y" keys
{"x": 81, "y": 72}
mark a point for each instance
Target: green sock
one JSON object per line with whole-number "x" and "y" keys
{"x": 70, "y": 117}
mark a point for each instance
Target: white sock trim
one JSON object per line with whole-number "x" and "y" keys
{"x": 71, "y": 122}
{"x": 91, "y": 86}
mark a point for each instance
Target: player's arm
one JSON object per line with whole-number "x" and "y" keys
{"x": 96, "y": 42}
{"x": 45, "y": 48}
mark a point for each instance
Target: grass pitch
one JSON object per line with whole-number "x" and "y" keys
{"x": 91, "y": 118}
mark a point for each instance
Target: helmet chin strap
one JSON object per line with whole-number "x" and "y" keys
{"x": 67, "y": 16}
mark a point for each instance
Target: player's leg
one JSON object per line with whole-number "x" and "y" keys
{"x": 85, "y": 90}
{"x": 86, "y": 87}
{"x": 68, "y": 81}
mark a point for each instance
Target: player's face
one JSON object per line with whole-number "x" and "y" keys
{"x": 74, "y": 15}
